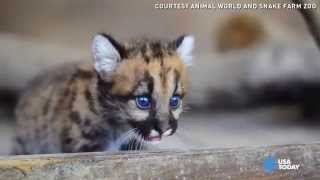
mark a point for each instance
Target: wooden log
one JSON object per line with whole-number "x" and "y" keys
{"x": 235, "y": 163}
{"x": 311, "y": 17}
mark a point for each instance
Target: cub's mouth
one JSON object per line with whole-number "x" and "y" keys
{"x": 152, "y": 134}
{"x": 137, "y": 141}
{"x": 152, "y": 138}
{"x": 155, "y": 136}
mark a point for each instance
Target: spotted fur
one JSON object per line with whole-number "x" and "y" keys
{"x": 81, "y": 108}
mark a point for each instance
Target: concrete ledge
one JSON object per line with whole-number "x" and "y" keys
{"x": 236, "y": 163}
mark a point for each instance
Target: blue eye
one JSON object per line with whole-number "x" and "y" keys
{"x": 143, "y": 102}
{"x": 175, "y": 101}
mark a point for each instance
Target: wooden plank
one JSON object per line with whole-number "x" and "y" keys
{"x": 311, "y": 17}
{"x": 236, "y": 163}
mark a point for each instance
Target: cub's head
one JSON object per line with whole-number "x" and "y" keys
{"x": 142, "y": 84}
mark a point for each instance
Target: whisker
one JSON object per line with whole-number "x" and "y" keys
{"x": 133, "y": 139}
{"x": 131, "y": 142}
{"x": 124, "y": 138}
{"x": 141, "y": 141}
{"x": 136, "y": 141}
{"x": 125, "y": 135}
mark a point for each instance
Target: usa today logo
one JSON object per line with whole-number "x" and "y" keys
{"x": 271, "y": 164}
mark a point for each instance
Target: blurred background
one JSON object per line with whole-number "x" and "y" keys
{"x": 255, "y": 79}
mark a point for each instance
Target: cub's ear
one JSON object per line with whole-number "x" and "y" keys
{"x": 185, "y": 46}
{"x": 106, "y": 54}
